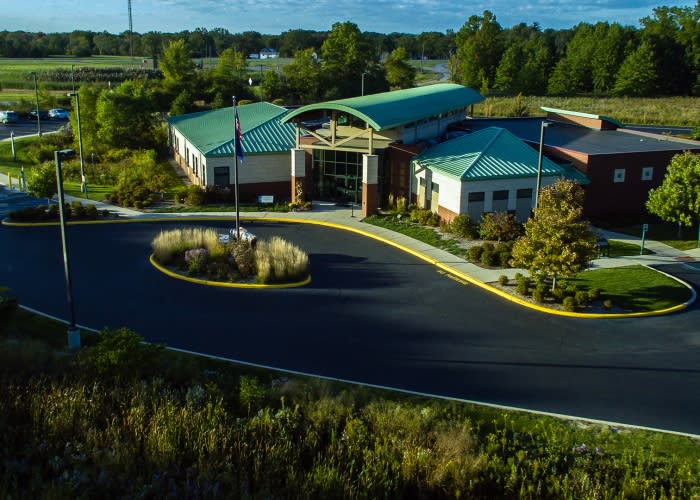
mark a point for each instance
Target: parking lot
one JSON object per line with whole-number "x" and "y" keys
{"x": 30, "y": 127}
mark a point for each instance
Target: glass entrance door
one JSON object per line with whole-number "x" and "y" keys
{"x": 337, "y": 175}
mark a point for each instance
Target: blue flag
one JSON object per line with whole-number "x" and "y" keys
{"x": 238, "y": 137}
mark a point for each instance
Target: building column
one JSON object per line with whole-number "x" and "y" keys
{"x": 299, "y": 175}
{"x": 370, "y": 178}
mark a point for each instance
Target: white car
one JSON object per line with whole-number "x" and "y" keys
{"x": 58, "y": 114}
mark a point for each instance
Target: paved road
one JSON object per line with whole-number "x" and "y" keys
{"x": 376, "y": 315}
{"x": 29, "y": 127}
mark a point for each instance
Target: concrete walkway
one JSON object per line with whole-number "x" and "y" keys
{"x": 345, "y": 216}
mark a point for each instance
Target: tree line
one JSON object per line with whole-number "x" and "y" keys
{"x": 661, "y": 57}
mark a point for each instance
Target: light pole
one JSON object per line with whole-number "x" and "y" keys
{"x": 363, "y": 82}
{"x": 73, "y": 332}
{"x": 545, "y": 124}
{"x": 36, "y": 94}
{"x": 83, "y": 182}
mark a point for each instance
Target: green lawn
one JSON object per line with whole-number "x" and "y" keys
{"x": 622, "y": 249}
{"x": 417, "y": 232}
{"x": 664, "y": 232}
{"x": 634, "y": 288}
{"x": 95, "y": 192}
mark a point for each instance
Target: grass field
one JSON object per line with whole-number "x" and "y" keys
{"x": 634, "y": 288}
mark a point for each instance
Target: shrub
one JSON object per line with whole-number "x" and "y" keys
{"x": 538, "y": 295}
{"x": 91, "y": 211}
{"x": 280, "y": 261}
{"x": 425, "y": 217}
{"x": 523, "y": 287}
{"x": 196, "y": 260}
{"x": 504, "y": 258}
{"x": 488, "y": 246}
{"x": 581, "y": 298}
{"x": 518, "y": 277}
{"x": 41, "y": 181}
{"x": 193, "y": 195}
{"x": 503, "y": 279}
{"x": 542, "y": 289}
{"x": 464, "y": 227}
{"x": 607, "y": 304}
{"x": 559, "y": 293}
{"x": 474, "y": 253}
{"x": 594, "y": 294}
{"x": 569, "y": 303}
{"x": 169, "y": 243}
{"x": 500, "y": 226}
{"x": 488, "y": 258}
{"x": 78, "y": 209}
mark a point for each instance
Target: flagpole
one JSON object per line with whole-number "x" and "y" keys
{"x": 235, "y": 168}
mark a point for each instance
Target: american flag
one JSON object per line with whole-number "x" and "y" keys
{"x": 238, "y": 138}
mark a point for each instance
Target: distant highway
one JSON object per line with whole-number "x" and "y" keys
{"x": 27, "y": 127}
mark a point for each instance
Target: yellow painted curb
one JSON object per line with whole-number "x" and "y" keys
{"x": 439, "y": 265}
{"x": 199, "y": 281}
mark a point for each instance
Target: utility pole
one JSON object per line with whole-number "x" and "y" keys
{"x": 131, "y": 34}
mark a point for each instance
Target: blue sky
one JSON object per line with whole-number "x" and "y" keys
{"x": 276, "y": 16}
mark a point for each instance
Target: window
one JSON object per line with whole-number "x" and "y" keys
{"x": 221, "y": 176}
{"x": 524, "y": 193}
{"x": 436, "y": 187}
{"x": 476, "y": 196}
{"x": 422, "y": 181}
{"x": 500, "y": 195}
{"x": 647, "y": 173}
{"x": 619, "y": 175}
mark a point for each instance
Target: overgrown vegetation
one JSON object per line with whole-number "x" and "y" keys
{"x": 201, "y": 252}
{"x": 126, "y": 419}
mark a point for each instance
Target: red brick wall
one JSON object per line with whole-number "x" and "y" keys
{"x": 607, "y": 198}
{"x": 397, "y": 159}
{"x": 445, "y": 214}
{"x": 369, "y": 199}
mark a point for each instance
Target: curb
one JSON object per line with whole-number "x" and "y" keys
{"x": 437, "y": 264}
{"x": 223, "y": 284}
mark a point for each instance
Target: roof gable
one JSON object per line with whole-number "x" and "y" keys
{"x": 212, "y": 131}
{"x": 392, "y": 109}
{"x": 491, "y": 153}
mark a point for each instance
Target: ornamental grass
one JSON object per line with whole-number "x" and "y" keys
{"x": 279, "y": 261}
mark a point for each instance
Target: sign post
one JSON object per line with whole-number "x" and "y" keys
{"x": 645, "y": 228}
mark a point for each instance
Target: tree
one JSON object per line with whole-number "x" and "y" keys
{"x": 126, "y": 117}
{"x": 89, "y": 125}
{"x": 637, "y": 75}
{"x": 399, "y": 73}
{"x": 303, "y": 76}
{"x": 678, "y": 197}
{"x": 558, "y": 242}
{"x": 41, "y": 181}
{"x": 346, "y": 54}
{"x": 479, "y": 50}
{"x": 177, "y": 67}
{"x": 227, "y": 77}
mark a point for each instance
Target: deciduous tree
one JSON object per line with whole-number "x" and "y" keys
{"x": 399, "y": 73}
{"x": 678, "y": 197}
{"x": 637, "y": 75}
{"x": 558, "y": 242}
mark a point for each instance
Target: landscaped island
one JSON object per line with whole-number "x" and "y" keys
{"x": 202, "y": 253}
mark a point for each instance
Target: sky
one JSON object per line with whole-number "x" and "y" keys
{"x": 276, "y": 16}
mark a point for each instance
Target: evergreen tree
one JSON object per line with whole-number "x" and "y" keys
{"x": 479, "y": 50}
{"x": 399, "y": 73}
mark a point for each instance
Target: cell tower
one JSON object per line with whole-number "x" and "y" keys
{"x": 131, "y": 32}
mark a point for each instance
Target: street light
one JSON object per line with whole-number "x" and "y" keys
{"x": 83, "y": 182}
{"x": 38, "y": 117}
{"x": 73, "y": 332}
{"x": 545, "y": 124}
{"x": 363, "y": 82}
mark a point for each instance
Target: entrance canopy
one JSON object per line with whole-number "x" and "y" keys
{"x": 389, "y": 110}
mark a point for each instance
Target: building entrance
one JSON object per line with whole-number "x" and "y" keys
{"x": 337, "y": 175}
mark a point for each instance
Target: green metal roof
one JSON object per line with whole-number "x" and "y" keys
{"x": 392, "y": 109}
{"x": 491, "y": 153}
{"x": 583, "y": 115}
{"x": 212, "y": 131}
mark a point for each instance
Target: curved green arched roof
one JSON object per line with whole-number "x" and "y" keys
{"x": 393, "y": 109}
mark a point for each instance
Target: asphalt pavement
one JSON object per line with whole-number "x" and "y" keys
{"x": 375, "y": 314}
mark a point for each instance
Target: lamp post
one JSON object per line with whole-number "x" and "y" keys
{"x": 36, "y": 95}
{"x": 73, "y": 331}
{"x": 363, "y": 82}
{"x": 545, "y": 124}
{"x": 83, "y": 182}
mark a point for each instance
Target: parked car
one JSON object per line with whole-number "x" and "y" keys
{"x": 58, "y": 114}
{"x": 43, "y": 115}
{"x": 8, "y": 117}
